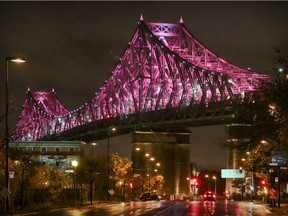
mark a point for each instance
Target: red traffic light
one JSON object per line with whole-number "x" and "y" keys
{"x": 194, "y": 182}
{"x": 263, "y": 182}
{"x": 240, "y": 169}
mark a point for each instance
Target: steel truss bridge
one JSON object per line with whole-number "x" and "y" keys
{"x": 165, "y": 78}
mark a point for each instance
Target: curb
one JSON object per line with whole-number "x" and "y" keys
{"x": 89, "y": 206}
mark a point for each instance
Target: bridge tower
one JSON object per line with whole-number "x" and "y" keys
{"x": 162, "y": 153}
{"x": 239, "y": 134}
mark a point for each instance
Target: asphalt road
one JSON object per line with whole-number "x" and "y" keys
{"x": 170, "y": 208}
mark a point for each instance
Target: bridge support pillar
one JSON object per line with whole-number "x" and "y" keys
{"x": 237, "y": 142}
{"x": 171, "y": 151}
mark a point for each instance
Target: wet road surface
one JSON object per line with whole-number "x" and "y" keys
{"x": 170, "y": 208}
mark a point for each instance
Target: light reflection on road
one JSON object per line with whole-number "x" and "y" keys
{"x": 226, "y": 208}
{"x": 127, "y": 209}
{"x": 209, "y": 207}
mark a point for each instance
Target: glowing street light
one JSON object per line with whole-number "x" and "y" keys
{"x": 74, "y": 163}
{"x": 16, "y": 60}
{"x": 264, "y": 142}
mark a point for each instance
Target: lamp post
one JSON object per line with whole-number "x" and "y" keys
{"x": 92, "y": 145}
{"x": 158, "y": 165}
{"x": 123, "y": 185}
{"x": 137, "y": 149}
{"x": 215, "y": 178}
{"x": 74, "y": 163}
{"x": 108, "y": 158}
{"x": 207, "y": 176}
{"x": 149, "y": 173}
{"x": 155, "y": 171}
{"x": 17, "y": 60}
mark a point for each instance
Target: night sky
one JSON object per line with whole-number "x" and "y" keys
{"x": 73, "y": 47}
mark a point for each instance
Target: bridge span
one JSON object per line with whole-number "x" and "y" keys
{"x": 156, "y": 120}
{"x": 166, "y": 77}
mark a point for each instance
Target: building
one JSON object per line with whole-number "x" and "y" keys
{"x": 52, "y": 153}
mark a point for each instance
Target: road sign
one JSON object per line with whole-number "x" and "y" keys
{"x": 273, "y": 164}
{"x": 279, "y": 157}
{"x": 232, "y": 173}
{"x": 111, "y": 192}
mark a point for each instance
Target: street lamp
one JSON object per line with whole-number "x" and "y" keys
{"x": 137, "y": 149}
{"x": 108, "y": 157}
{"x": 207, "y": 176}
{"x": 158, "y": 165}
{"x": 92, "y": 145}
{"x": 74, "y": 163}
{"x": 214, "y": 177}
{"x": 149, "y": 184}
{"x": 17, "y": 60}
{"x": 155, "y": 172}
{"x": 122, "y": 185}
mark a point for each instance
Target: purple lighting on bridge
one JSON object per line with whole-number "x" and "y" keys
{"x": 164, "y": 66}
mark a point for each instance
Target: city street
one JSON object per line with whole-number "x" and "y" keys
{"x": 171, "y": 208}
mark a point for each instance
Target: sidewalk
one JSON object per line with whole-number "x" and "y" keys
{"x": 283, "y": 210}
{"x": 87, "y": 205}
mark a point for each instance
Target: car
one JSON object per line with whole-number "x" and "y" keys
{"x": 209, "y": 196}
{"x": 149, "y": 196}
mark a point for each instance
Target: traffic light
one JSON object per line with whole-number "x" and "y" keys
{"x": 240, "y": 169}
{"x": 263, "y": 182}
{"x": 194, "y": 182}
